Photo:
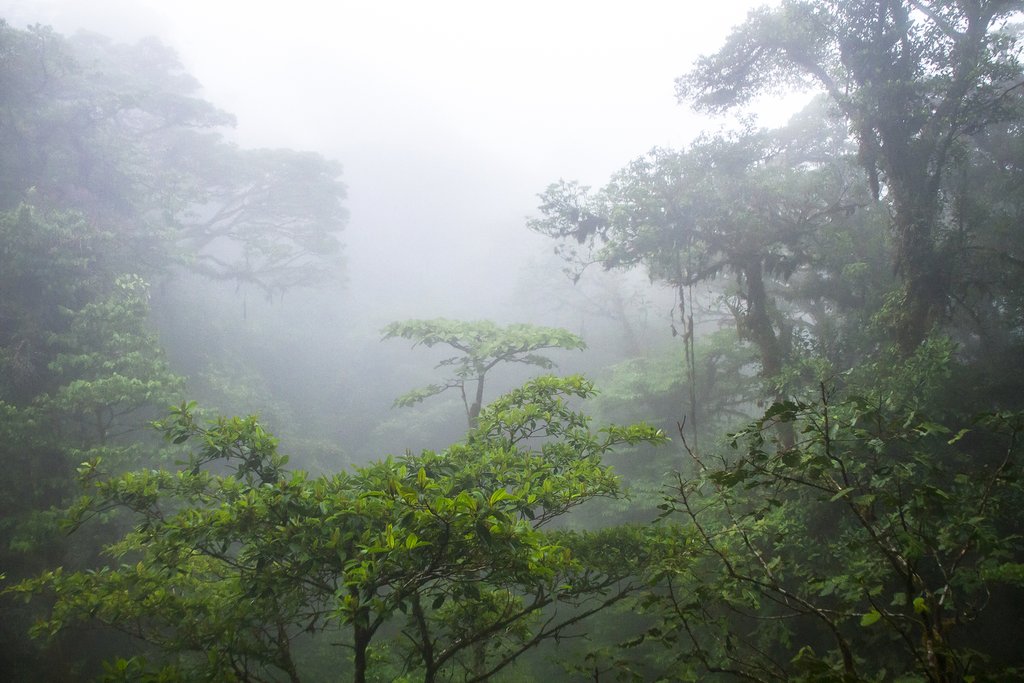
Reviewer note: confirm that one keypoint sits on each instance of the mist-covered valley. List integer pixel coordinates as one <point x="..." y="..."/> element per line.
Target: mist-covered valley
<point x="456" y="342"/>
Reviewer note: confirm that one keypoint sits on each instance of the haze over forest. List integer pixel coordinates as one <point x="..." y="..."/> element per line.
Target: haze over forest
<point x="447" y="120"/>
<point x="657" y="342"/>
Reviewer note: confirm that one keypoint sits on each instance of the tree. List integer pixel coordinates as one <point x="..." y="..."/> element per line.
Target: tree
<point x="268" y="218"/>
<point x="80" y="377"/>
<point x="481" y="346"/>
<point x="912" y="78"/>
<point x="449" y="547"/>
<point x="82" y="372"/>
<point x="984" y="190"/>
<point x="52" y="262"/>
<point x="752" y="206"/>
<point x="119" y="133"/>
<point x="879" y="545"/>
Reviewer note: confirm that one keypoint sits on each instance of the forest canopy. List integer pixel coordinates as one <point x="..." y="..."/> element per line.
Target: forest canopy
<point x="787" y="446"/>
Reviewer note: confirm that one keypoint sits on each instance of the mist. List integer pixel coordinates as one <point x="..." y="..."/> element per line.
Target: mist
<point x="546" y="341"/>
<point x="448" y="119"/>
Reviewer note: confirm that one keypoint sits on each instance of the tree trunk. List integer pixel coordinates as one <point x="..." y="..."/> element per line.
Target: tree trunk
<point x="284" y="648"/>
<point x="925" y="277"/>
<point x="478" y="402"/>
<point x="426" y="645"/>
<point x="361" y="635"/>
<point x="756" y="325"/>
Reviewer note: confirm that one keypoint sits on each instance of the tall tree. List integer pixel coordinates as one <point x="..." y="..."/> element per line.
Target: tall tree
<point x="912" y="78"/>
<point x="121" y="134"/>
<point x="749" y="206"/>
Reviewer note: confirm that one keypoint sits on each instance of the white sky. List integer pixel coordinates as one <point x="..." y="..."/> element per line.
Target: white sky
<point x="449" y="117"/>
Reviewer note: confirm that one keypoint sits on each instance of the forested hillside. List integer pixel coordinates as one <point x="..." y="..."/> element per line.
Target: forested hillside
<point x="759" y="418"/>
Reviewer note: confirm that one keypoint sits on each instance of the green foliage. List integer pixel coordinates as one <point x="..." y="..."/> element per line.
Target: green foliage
<point x="80" y="374"/>
<point x="448" y="546"/>
<point x="480" y="346"/>
<point x="110" y="363"/>
<point x="83" y="366"/>
<point x="914" y="81"/>
<point x="655" y="387"/>
<point x="51" y="263"/>
<point x="752" y="206"/>
<point x="870" y="548"/>
<point x="119" y="133"/>
<point x="865" y="527"/>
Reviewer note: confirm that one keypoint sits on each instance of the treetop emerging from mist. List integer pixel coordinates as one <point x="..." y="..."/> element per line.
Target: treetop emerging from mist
<point x="481" y="345"/>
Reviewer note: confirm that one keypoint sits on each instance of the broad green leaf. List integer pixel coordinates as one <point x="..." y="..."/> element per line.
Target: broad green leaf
<point x="870" y="618"/>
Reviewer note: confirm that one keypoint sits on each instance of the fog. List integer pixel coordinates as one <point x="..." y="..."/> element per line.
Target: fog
<point x="278" y="283"/>
<point x="448" y="120"/>
<point x="448" y="117"/>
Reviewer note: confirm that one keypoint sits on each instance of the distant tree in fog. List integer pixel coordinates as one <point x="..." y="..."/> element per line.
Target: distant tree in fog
<point x="480" y="347"/>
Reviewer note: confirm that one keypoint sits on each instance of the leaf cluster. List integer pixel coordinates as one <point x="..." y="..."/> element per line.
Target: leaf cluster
<point x="239" y="564"/>
<point x="870" y="547"/>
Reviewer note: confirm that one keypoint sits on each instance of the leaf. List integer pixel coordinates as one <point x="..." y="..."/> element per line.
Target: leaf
<point x="959" y="435"/>
<point x="870" y="618"/>
<point x="842" y="494"/>
<point x="865" y="500"/>
<point x="783" y="411"/>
